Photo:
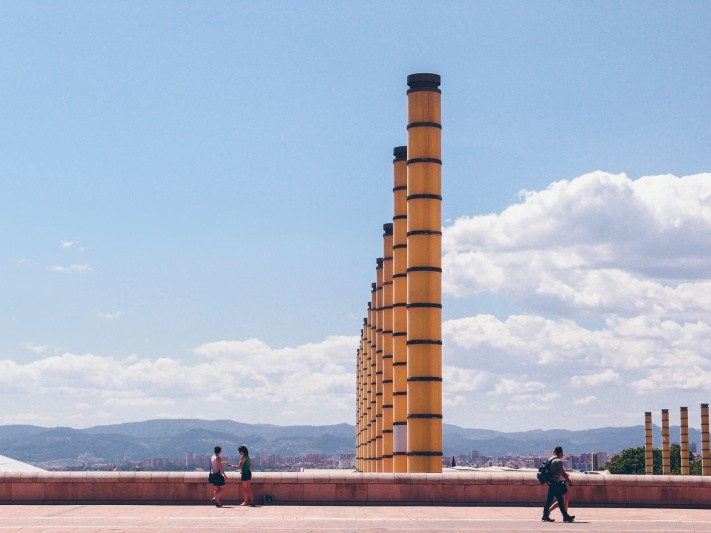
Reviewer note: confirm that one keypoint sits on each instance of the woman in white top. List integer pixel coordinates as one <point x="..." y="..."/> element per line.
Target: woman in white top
<point x="217" y="474"/>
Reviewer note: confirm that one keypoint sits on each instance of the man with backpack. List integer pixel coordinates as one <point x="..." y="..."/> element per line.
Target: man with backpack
<point x="557" y="486"/>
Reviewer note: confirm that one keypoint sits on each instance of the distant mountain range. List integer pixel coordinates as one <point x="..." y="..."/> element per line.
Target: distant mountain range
<point x="169" y="438"/>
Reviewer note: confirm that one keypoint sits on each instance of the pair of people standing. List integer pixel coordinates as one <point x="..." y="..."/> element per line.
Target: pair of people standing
<point x="557" y="488"/>
<point x="219" y="478"/>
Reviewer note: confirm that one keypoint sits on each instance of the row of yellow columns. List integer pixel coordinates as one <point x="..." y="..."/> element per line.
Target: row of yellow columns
<point x="684" y="434"/>
<point x="399" y="362"/>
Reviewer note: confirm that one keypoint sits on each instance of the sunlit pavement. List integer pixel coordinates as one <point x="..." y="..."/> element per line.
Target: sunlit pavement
<point x="276" y="518"/>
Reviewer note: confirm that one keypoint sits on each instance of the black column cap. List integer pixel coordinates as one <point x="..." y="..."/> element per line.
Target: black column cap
<point x="424" y="81"/>
<point x="400" y="153"/>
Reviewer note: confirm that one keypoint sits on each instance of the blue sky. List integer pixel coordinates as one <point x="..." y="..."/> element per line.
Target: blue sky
<point x="192" y="198"/>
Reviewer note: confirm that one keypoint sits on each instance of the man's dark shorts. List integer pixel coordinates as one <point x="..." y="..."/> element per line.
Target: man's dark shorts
<point x="559" y="486"/>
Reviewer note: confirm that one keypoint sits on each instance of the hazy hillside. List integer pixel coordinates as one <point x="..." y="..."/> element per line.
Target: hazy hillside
<point x="175" y="438"/>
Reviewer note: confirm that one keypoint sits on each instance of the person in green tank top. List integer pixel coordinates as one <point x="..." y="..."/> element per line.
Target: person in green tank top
<point x="245" y="466"/>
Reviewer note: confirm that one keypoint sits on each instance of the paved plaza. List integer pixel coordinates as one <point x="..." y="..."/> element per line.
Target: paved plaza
<point x="349" y="519"/>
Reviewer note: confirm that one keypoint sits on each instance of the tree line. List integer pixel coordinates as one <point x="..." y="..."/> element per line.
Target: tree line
<point x="632" y="461"/>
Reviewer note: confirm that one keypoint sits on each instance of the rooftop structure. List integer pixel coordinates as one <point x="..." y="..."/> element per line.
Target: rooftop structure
<point x="11" y="465"/>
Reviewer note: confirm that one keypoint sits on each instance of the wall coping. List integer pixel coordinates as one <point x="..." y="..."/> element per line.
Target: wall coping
<point x="340" y="476"/>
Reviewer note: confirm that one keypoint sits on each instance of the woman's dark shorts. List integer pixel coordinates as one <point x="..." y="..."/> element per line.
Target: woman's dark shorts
<point x="246" y="476"/>
<point x="218" y="479"/>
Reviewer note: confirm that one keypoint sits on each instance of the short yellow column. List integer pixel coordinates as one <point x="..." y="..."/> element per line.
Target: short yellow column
<point x="684" y="434"/>
<point x="387" y="461"/>
<point x="666" y="464"/>
<point x="400" y="309"/>
<point x="705" y="445"/>
<point x="424" y="275"/>
<point x="359" y="405"/>
<point x="363" y="419"/>
<point x="648" y="450"/>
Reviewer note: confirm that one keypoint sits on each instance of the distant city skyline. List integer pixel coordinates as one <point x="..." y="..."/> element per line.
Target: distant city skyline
<point x="192" y="200"/>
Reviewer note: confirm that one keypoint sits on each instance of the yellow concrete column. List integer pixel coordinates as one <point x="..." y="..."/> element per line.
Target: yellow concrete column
<point x="387" y="347"/>
<point x="359" y="403"/>
<point x="379" y="366"/>
<point x="400" y="309"/>
<point x="371" y="383"/>
<point x="363" y="418"/>
<point x="424" y="274"/>
<point x="648" y="451"/>
<point x="666" y="464"/>
<point x="705" y="447"/>
<point x="684" y="434"/>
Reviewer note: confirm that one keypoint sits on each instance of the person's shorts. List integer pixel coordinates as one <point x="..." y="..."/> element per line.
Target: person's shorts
<point x="218" y="480"/>
<point x="560" y="487"/>
<point x="246" y="476"/>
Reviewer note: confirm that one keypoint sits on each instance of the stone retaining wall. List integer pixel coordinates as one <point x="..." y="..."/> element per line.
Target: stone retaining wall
<point x="334" y="487"/>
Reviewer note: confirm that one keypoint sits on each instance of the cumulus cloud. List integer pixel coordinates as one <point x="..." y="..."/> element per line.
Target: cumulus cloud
<point x="585" y="401"/>
<point x="314" y="376"/>
<point x="67" y="244"/>
<point x="625" y="343"/>
<point x="594" y="380"/>
<point x="70" y="268"/>
<point x="610" y="280"/>
<point x="35" y="348"/>
<point x="514" y="386"/>
<point x="600" y="244"/>
<point x="455" y="379"/>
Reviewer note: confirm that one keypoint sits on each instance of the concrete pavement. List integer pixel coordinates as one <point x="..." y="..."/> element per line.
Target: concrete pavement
<point x="348" y="519"/>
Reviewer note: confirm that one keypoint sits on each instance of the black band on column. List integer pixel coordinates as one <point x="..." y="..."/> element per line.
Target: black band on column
<point x="424" y="124"/>
<point x="425" y="454"/>
<point x="424" y="160"/>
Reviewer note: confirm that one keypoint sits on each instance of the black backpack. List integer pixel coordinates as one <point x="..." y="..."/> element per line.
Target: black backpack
<point x="544" y="472"/>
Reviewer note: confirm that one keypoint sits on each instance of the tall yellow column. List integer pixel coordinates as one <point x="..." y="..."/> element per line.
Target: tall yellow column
<point x="424" y="274"/>
<point x="666" y="465"/>
<point x="705" y="447"/>
<point x="387" y="348"/>
<point x="684" y="434"/>
<point x="400" y="309"/>
<point x="371" y="381"/>
<point x="648" y="450"/>
<point x="379" y="367"/>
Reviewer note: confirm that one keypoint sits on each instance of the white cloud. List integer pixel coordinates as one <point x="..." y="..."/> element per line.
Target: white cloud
<point x="70" y="268"/>
<point x="625" y="343"/>
<point x="67" y="244"/>
<point x="585" y="401"/>
<point x="681" y="378"/>
<point x="110" y="316"/>
<point x="35" y="348"/>
<point x="601" y="244"/>
<point x="594" y="380"/>
<point x="456" y="379"/>
<point x="312" y="376"/>
<point x="514" y="386"/>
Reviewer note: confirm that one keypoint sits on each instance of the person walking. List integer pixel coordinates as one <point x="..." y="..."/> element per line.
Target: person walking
<point x="557" y="487"/>
<point x="245" y="466"/>
<point x="217" y="474"/>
